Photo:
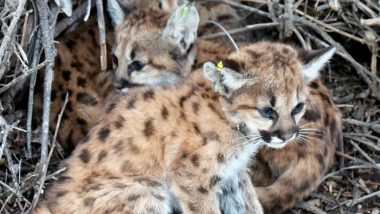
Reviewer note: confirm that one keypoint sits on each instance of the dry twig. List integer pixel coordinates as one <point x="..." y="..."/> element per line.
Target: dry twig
<point x="7" y="37"/>
<point x="102" y="35"/>
<point x="47" y="21"/>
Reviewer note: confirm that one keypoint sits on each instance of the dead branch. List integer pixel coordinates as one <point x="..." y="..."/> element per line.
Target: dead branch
<point x="362" y="152"/>
<point x="23" y="76"/>
<point x="311" y="208"/>
<point x="102" y="35"/>
<point x="11" y="29"/>
<point x="288" y="18"/>
<point x="361" y="123"/>
<point x="32" y="84"/>
<point x="47" y="22"/>
<point x="78" y="13"/>
<point x="370" y="22"/>
<point x="361" y="199"/>
<point x="367" y="166"/>
<point x="240" y="30"/>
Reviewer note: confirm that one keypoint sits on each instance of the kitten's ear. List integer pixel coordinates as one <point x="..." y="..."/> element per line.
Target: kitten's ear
<point x="182" y="26"/>
<point x="224" y="80"/>
<point x="116" y="11"/>
<point x="314" y="61"/>
<point x="66" y="6"/>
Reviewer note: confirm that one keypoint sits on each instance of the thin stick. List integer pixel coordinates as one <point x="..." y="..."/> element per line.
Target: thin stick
<point x="288" y="18"/>
<point x="341" y="154"/>
<point x="102" y="35"/>
<point x="300" y="38"/>
<point x="369" y="144"/>
<point x="78" y="13"/>
<point x="58" y="125"/>
<point x="361" y="199"/>
<point x="23" y="38"/>
<point x="225" y="32"/>
<point x="48" y="47"/>
<point x="365" y="9"/>
<point x="348" y="35"/>
<point x="311" y="18"/>
<point x="23" y="76"/>
<point x="51" y="150"/>
<point x="239" y="30"/>
<point x="32" y="84"/>
<point x="244" y="7"/>
<point x="11" y="168"/>
<point x="89" y="6"/>
<point x="370" y="22"/>
<point x="8" y="187"/>
<point x="361" y="123"/>
<point x="362" y="152"/>
<point x="4" y="132"/>
<point x="46" y="22"/>
<point x="271" y="10"/>
<point x="375" y="50"/>
<point x="12" y="27"/>
<point x="372" y="166"/>
<point x="311" y="208"/>
<point x="51" y="176"/>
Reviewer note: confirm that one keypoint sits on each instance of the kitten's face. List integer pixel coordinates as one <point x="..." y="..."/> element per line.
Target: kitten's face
<point x="153" y="47"/>
<point x="265" y="90"/>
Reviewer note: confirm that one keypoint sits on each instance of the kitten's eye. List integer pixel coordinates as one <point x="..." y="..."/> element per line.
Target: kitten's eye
<point x="133" y="54"/>
<point x="267" y="112"/>
<point x="136" y="65"/>
<point x="299" y="107"/>
<point x="115" y="62"/>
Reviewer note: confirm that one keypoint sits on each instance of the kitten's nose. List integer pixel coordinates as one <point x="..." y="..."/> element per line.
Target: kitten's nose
<point x="288" y="134"/>
<point x="118" y="83"/>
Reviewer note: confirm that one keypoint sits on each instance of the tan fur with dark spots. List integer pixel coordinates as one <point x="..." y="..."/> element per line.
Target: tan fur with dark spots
<point x="78" y="56"/>
<point x="77" y="72"/>
<point x="224" y="14"/>
<point x="284" y="177"/>
<point x="298" y="169"/>
<point x="132" y="167"/>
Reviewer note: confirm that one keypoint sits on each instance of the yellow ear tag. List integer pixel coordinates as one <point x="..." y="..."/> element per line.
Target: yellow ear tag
<point x="219" y="66"/>
<point x="185" y="11"/>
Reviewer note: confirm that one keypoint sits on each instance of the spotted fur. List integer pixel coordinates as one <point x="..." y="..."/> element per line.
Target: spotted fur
<point x="189" y="132"/>
<point x="174" y="157"/>
<point x="77" y="68"/>
<point x="275" y="170"/>
<point x="300" y="141"/>
<point x="297" y="170"/>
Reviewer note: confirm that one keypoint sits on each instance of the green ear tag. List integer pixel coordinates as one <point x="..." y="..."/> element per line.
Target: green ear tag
<point x="185" y="11"/>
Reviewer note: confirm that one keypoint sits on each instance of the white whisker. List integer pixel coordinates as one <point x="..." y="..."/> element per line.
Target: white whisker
<point x="302" y="139"/>
<point x="318" y="132"/>
<point x="251" y="140"/>
<point x="247" y="136"/>
<point x="307" y="124"/>
<point x="244" y="144"/>
<point x="311" y="129"/>
<point x="313" y="134"/>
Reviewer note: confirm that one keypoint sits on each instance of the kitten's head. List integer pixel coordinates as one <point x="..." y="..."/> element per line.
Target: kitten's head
<point x="264" y="88"/>
<point x="153" y="47"/>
